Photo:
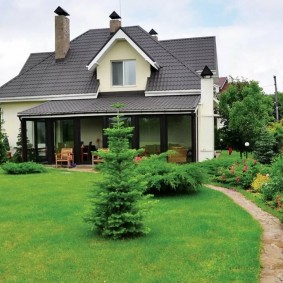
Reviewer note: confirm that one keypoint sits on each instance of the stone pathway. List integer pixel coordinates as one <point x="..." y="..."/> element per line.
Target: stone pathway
<point x="272" y="246"/>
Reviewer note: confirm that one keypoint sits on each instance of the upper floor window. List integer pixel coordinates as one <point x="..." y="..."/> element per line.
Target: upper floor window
<point x="124" y="73"/>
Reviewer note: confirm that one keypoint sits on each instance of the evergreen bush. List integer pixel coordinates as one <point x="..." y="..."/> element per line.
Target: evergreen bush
<point x="275" y="185"/>
<point x="118" y="201"/>
<point x="264" y="147"/>
<point x="23" y="168"/>
<point x="4" y="145"/>
<point x="167" y="178"/>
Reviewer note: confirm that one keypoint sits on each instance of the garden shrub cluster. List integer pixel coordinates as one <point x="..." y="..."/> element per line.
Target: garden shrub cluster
<point x="273" y="189"/>
<point x="249" y="174"/>
<point x="23" y="168"/>
<point x="169" y="178"/>
<point x="241" y="173"/>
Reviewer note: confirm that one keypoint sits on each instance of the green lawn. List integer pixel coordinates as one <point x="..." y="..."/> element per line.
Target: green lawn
<point x="202" y="237"/>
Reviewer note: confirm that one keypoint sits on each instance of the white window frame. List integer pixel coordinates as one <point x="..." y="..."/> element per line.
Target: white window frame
<point x="123" y="78"/>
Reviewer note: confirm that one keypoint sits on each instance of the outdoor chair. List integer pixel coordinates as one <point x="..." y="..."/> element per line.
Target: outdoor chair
<point x="180" y="155"/>
<point x="85" y="154"/>
<point x="66" y="155"/>
<point x="95" y="159"/>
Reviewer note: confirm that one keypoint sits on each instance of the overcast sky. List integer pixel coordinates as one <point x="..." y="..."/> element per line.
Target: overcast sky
<point x="248" y="32"/>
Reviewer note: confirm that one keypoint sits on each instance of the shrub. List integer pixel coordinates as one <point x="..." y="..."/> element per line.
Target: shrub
<point x="23" y="168"/>
<point x="167" y="178"/>
<point x="270" y="189"/>
<point x="239" y="173"/>
<point x="275" y="185"/>
<point x="264" y="147"/>
<point x="259" y="181"/>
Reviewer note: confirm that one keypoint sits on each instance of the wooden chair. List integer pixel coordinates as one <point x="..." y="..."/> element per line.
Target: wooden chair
<point x="95" y="159"/>
<point x="180" y="155"/>
<point x="66" y="155"/>
<point x="86" y="152"/>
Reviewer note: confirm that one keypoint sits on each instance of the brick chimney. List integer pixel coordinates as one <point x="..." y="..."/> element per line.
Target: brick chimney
<point x="115" y="22"/>
<point x="62" y="34"/>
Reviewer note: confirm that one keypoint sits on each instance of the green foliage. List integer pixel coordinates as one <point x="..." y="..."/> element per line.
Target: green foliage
<point x="118" y="201"/>
<point x="4" y="144"/>
<point x="244" y="110"/>
<point x="212" y="166"/>
<point x="167" y="178"/>
<point x="23" y="168"/>
<point x="263" y="150"/>
<point x="239" y="173"/>
<point x="233" y="171"/>
<point x="18" y="155"/>
<point x="276" y="129"/>
<point x="275" y="185"/>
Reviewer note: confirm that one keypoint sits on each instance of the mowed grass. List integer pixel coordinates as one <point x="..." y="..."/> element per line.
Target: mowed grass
<point x="201" y="237"/>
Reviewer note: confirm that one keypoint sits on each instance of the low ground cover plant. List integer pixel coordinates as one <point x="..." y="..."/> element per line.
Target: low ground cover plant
<point x="23" y="168"/>
<point x="163" y="177"/>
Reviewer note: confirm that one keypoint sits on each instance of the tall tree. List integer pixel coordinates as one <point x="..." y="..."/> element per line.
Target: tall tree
<point x="244" y="110"/>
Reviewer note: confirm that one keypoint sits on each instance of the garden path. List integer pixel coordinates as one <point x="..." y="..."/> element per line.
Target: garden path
<point x="272" y="247"/>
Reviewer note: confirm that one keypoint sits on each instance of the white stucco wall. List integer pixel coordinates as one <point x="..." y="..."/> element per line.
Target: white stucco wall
<point x="11" y="121"/>
<point x="206" y="121"/>
<point x="122" y="50"/>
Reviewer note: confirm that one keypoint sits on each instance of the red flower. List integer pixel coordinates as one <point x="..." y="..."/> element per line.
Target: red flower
<point x="245" y="168"/>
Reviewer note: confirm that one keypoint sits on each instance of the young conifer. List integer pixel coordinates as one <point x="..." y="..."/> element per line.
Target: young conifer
<point x="118" y="201"/>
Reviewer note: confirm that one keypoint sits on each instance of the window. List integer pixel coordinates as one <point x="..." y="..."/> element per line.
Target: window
<point x="124" y="73"/>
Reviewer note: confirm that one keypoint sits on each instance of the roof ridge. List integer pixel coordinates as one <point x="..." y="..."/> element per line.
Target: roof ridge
<point x="188" y="38"/>
<point x="77" y="37"/>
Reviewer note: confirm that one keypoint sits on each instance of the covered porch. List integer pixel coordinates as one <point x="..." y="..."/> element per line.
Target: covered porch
<point x="160" y="123"/>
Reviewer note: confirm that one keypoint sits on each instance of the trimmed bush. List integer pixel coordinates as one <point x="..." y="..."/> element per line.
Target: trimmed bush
<point x="23" y="168"/>
<point x="167" y="178"/>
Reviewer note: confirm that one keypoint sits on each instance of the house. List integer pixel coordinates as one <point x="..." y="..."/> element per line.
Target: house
<point x="64" y="98"/>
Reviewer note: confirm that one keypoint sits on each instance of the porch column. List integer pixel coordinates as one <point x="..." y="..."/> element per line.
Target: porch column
<point x="206" y="119"/>
<point x="24" y="139"/>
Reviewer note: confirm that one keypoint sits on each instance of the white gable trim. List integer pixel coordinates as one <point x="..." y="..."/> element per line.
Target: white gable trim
<point x="119" y="35"/>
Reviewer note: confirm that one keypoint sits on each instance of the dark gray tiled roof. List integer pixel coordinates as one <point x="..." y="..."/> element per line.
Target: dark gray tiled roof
<point x="135" y="102"/>
<point x="196" y="52"/>
<point x="42" y="76"/>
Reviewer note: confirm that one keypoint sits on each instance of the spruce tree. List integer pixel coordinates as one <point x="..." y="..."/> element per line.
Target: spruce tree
<point x="3" y="143"/>
<point x="18" y="155"/>
<point x="118" y="201"/>
<point x="264" y="147"/>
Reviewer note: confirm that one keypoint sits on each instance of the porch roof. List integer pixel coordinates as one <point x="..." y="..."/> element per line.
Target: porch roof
<point x="136" y="103"/>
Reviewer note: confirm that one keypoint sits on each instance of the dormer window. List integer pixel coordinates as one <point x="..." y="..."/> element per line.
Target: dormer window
<point x="124" y="73"/>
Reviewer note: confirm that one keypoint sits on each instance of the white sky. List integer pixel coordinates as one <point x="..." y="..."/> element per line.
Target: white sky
<point x="248" y="32"/>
